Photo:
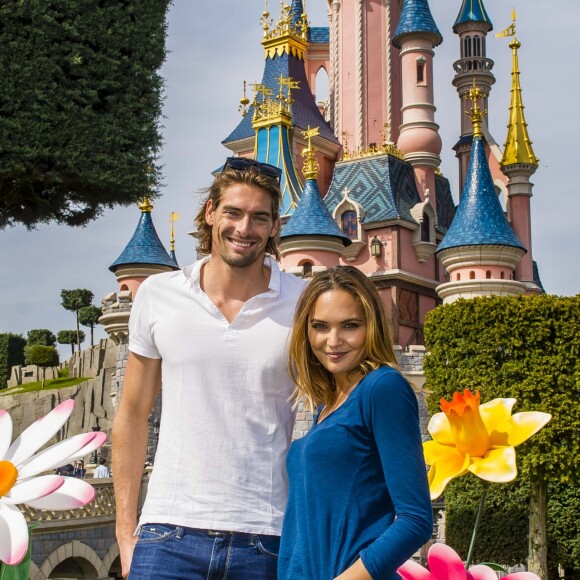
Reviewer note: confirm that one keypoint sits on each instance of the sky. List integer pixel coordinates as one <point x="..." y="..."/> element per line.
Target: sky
<point x="212" y="51"/>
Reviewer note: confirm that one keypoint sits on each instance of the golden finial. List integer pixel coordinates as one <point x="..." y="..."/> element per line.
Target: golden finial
<point x="145" y="206"/>
<point x="511" y="29"/>
<point x="518" y="147"/>
<point x="476" y="114"/>
<point x="244" y="102"/>
<point x="311" y="166"/>
<point x="173" y="217"/>
<point x="290" y="85"/>
<point x="265" y="20"/>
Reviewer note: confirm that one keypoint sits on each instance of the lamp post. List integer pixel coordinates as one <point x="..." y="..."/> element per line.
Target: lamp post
<point x="95" y="455"/>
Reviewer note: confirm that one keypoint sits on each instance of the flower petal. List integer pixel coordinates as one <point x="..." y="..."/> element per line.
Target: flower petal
<point x="74" y="493"/>
<point x="497" y="466"/>
<point x="481" y="572"/>
<point x="445" y="564"/>
<point x="435" y="452"/>
<point x="55" y="455"/>
<point x="495" y="412"/>
<point x="99" y="439"/>
<point x="5" y="432"/>
<point x="440" y="429"/>
<point x="412" y="571"/>
<point x="442" y="472"/>
<point x="35" y="436"/>
<point x="13" y="535"/>
<point x="33" y="489"/>
<point x="518" y="428"/>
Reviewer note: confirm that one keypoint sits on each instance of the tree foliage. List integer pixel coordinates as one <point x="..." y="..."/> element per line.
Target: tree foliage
<point x="43" y="357"/>
<point x="89" y="317"/>
<point x="74" y="300"/>
<point x="11" y="354"/>
<point x="69" y="337"/>
<point x="41" y="336"/>
<point x="80" y="103"/>
<point x="526" y="348"/>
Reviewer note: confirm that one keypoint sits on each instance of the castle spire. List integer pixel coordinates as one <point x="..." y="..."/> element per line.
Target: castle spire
<point x="518" y="164"/>
<point x="480" y="251"/>
<point x="518" y="147"/>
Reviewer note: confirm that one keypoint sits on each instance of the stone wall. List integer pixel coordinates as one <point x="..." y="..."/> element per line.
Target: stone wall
<point x="86" y="363"/>
<point x="93" y="404"/>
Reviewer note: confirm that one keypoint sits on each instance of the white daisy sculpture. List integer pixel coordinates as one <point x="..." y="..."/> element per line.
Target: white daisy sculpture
<point x="20" y="482"/>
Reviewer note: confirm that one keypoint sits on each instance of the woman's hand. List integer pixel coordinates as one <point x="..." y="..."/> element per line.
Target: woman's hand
<point x="356" y="572"/>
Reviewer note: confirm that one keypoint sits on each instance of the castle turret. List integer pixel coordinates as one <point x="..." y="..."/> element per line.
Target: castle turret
<point x="142" y="257"/>
<point x="419" y="139"/>
<point x="472" y="25"/>
<point x="519" y="163"/>
<point x="480" y="250"/>
<point x="311" y="240"/>
<point x="282" y="102"/>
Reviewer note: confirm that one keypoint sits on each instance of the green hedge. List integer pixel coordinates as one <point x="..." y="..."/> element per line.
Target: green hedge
<point x="527" y="348"/>
<point x="11" y="354"/>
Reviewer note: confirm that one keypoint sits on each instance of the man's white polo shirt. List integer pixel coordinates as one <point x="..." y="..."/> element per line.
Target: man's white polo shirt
<point x="226" y="423"/>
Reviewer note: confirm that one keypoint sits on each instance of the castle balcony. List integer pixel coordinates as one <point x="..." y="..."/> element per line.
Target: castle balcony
<point x="471" y="65"/>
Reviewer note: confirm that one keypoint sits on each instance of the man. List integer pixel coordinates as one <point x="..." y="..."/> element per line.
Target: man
<point x="101" y="470"/>
<point x="213" y="338"/>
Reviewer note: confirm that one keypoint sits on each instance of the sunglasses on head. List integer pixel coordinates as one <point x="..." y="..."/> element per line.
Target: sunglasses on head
<point x="243" y="164"/>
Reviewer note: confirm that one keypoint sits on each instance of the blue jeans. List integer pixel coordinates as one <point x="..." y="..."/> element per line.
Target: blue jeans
<point x="179" y="553"/>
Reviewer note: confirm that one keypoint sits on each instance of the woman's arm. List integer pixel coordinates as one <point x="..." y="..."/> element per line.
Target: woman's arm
<point x="356" y="572"/>
<point x="393" y="418"/>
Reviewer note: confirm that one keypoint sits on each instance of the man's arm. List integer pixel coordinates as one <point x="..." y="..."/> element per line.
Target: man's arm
<point x="130" y="430"/>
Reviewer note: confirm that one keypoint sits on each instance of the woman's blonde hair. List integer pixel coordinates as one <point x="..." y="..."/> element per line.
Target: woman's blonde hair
<point x="314" y="383"/>
<point x="214" y="192"/>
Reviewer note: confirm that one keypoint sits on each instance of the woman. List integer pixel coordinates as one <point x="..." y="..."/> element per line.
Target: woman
<point x="359" y="502"/>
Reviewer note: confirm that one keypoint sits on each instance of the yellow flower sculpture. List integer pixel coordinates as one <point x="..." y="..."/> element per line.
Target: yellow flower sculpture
<point x="468" y="436"/>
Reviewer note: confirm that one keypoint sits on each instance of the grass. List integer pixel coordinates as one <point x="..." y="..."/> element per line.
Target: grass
<point x="48" y="385"/>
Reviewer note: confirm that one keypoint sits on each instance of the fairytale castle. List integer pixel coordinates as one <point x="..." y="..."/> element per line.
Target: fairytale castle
<point x="360" y="176"/>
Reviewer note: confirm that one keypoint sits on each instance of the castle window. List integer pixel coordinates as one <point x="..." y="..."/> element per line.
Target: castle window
<point x="488" y="274"/>
<point x="420" y="72"/>
<point x="349" y="224"/>
<point x="467" y="47"/>
<point x="425" y="229"/>
<point x="458" y="276"/>
<point x="476" y="46"/>
<point x="307" y="269"/>
<point x="472" y="275"/>
<point x="502" y="275"/>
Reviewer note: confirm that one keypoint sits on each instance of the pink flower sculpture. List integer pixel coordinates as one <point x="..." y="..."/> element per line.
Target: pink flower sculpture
<point x="20" y="482"/>
<point x="445" y="564"/>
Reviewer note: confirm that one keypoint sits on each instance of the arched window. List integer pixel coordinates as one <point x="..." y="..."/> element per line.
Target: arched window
<point x="472" y="275"/>
<point x="502" y="275"/>
<point x="467" y="47"/>
<point x="458" y="276"/>
<point x="124" y="287"/>
<point x="420" y="71"/>
<point x="476" y="46"/>
<point x="426" y="229"/>
<point x="307" y="269"/>
<point x="349" y="224"/>
<point x="488" y="274"/>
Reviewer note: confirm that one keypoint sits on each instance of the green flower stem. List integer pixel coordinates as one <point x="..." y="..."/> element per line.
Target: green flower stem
<point x="477" y="520"/>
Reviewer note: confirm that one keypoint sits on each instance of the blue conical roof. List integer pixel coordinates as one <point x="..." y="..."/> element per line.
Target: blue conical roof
<point x="416" y="18"/>
<point x="144" y="247"/>
<point x="472" y="11"/>
<point x="480" y="219"/>
<point x="312" y="218"/>
<point x="296" y="10"/>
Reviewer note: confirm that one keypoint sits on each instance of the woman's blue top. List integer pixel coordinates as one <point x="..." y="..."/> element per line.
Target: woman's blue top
<point x="358" y="486"/>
